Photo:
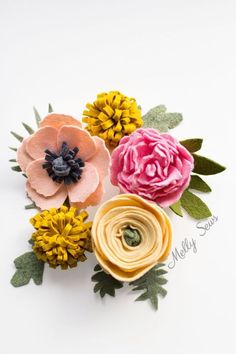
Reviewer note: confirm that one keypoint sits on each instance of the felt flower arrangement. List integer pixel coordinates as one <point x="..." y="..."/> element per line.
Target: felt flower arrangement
<point x="65" y="165"/>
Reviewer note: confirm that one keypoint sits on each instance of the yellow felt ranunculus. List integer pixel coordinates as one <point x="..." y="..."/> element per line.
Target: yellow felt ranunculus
<point x="130" y="236"/>
<point x="111" y="116"/>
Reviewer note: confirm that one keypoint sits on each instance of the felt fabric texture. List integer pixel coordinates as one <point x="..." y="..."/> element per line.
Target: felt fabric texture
<point x="122" y="261"/>
<point x="28" y="266"/>
<point x="111" y="116"/>
<point x="158" y="118"/>
<point x="152" y="165"/>
<point x="92" y="150"/>
<point x="62" y="236"/>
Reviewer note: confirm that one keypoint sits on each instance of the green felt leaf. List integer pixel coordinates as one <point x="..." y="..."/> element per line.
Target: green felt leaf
<point x="194" y="206"/>
<point x="198" y="184"/>
<point x="28" y="267"/>
<point x="12" y="148"/>
<point x="176" y="208"/>
<point x="151" y="284"/>
<point x="28" y="128"/>
<point x="16" y="168"/>
<point x="50" y="109"/>
<point x="31" y="206"/>
<point x="12" y="160"/>
<point x="205" y="166"/>
<point x="105" y="283"/>
<point x="37" y="116"/>
<point x="192" y="145"/>
<point x="17" y="136"/>
<point x="159" y="119"/>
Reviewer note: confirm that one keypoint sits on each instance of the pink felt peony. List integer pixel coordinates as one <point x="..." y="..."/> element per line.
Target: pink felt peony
<point x="152" y="165"/>
<point x="62" y="160"/>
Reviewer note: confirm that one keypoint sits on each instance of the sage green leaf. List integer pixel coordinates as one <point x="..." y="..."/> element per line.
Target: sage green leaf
<point x="176" y="208"/>
<point x="194" y="206"/>
<point x="28" y="128"/>
<point x="17" y="136"/>
<point x="28" y="267"/>
<point x="192" y="145"/>
<point x="12" y="148"/>
<point x="16" y="168"/>
<point x="97" y="267"/>
<point x="106" y="284"/>
<point x="198" y="184"/>
<point x="151" y="285"/>
<point x="159" y="119"/>
<point x="31" y="206"/>
<point x="37" y="116"/>
<point x="205" y="166"/>
<point x="12" y="160"/>
<point x="50" y="109"/>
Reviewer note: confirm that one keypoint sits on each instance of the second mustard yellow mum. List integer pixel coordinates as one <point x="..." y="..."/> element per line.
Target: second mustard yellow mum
<point x="112" y="116"/>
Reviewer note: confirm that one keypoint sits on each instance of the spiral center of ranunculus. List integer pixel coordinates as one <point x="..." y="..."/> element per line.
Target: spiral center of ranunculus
<point x="132" y="236"/>
<point x="64" y="166"/>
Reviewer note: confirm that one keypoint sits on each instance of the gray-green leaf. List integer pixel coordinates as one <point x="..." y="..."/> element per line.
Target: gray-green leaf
<point x="198" y="184"/>
<point x="31" y="206"/>
<point x="192" y="145"/>
<point x="12" y="148"/>
<point x="194" y="206"/>
<point x="105" y="283"/>
<point x="17" y="136"/>
<point x="159" y="119"/>
<point x="28" y="128"/>
<point x="205" y="166"/>
<point x="28" y="267"/>
<point x="50" y="109"/>
<point x="176" y="208"/>
<point x="37" y="116"/>
<point x="151" y="284"/>
<point x="16" y="168"/>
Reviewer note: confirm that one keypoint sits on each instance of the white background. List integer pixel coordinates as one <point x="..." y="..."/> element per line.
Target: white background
<point x="178" y="53"/>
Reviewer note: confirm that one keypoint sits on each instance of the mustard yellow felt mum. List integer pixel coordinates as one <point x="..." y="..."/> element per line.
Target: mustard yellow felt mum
<point x="62" y="237"/>
<point x="112" y="116"/>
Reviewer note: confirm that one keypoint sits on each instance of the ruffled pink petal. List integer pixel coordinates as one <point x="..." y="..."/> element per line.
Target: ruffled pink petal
<point x="101" y="159"/>
<point x="80" y="191"/>
<point x="44" y="138"/>
<point x="94" y="199"/>
<point x="58" y="120"/>
<point x="42" y="202"/>
<point x="75" y="136"/>
<point x="39" y="179"/>
<point x="22" y="157"/>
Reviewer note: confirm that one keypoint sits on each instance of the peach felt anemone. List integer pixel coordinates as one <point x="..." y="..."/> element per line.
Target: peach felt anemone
<point x="83" y="187"/>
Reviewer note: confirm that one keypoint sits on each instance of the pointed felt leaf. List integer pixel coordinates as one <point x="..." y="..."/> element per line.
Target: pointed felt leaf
<point x="31" y="206"/>
<point x="106" y="284"/>
<point x="198" y="184"/>
<point x="28" y="267"/>
<point x="12" y="160"/>
<point x="50" y="109"/>
<point x="159" y="119"/>
<point x="17" y="136"/>
<point x="205" y="166"/>
<point x="194" y="206"/>
<point x="37" y="116"/>
<point x="12" y="148"/>
<point x="192" y="145"/>
<point x="16" y="168"/>
<point x="28" y="128"/>
<point x="176" y="208"/>
<point x="151" y="284"/>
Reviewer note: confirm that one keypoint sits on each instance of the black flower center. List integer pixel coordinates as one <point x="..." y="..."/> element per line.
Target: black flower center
<point x="64" y="167"/>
